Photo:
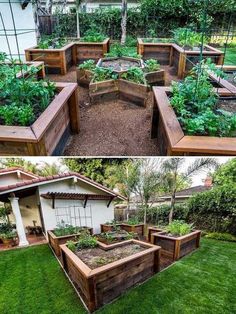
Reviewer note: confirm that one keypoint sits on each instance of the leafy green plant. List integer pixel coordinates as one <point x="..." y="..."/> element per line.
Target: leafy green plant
<point x="187" y="37"/>
<point x="66" y="229"/>
<point x="8" y="235"/>
<point x="195" y="103"/>
<point x="179" y="228"/>
<point x="151" y="65"/>
<point x="92" y="35"/>
<point x="51" y="43"/>
<point x="133" y="221"/>
<point x="117" y="50"/>
<point x="22" y="100"/>
<point x="221" y="236"/>
<point x="86" y="241"/>
<point x="134" y="74"/>
<point x="71" y="245"/>
<point x="88" y="65"/>
<point x="103" y="74"/>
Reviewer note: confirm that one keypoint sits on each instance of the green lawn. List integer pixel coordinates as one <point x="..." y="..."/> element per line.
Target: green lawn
<point x="230" y="58"/>
<point x="204" y="282"/>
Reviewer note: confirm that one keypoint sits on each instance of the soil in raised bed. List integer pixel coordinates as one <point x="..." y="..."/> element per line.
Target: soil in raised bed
<point x="119" y="64"/>
<point x="227" y="105"/>
<point x="231" y="78"/>
<point x="97" y="257"/>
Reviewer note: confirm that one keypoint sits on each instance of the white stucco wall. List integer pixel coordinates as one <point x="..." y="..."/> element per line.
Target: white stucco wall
<point x="100" y="212"/>
<point x="12" y="178"/>
<point x="24" y="20"/>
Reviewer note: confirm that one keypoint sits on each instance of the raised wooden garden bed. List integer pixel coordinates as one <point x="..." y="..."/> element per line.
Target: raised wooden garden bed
<point x="183" y="60"/>
<point x="152" y="230"/>
<point x="56" y="60"/>
<point x="224" y="83"/>
<point x="56" y="241"/>
<point x="170" y="137"/>
<point x="159" y="51"/>
<point x="176" y="247"/>
<point x="39" y="65"/>
<point x="139" y="228"/>
<point x="133" y="92"/>
<point x="107" y="228"/>
<point x="90" y="50"/>
<point x="49" y="133"/>
<point x="156" y="78"/>
<point x="103" y="91"/>
<point x="101" y="285"/>
<point x="84" y="77"/>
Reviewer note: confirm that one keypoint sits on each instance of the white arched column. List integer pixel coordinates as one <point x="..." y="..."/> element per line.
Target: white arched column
<point x="19" y="223"/>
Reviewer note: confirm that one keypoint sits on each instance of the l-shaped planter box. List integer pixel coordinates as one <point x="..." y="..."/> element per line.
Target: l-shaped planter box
<point x="107" y="228"/>
<point x="171" y="139"/>
<point x="139" y="228"/>
<point x="48" y="135"/>
<point x="55" y="241"/>
<point x="152" y="230"/>
<point x="181" y="59"/>
<point x="103" y="284"/>
<point x="57" y="60"/>
<point x="176" y="247"/>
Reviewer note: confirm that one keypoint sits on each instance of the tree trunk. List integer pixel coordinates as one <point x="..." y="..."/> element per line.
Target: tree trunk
<point x="145" y="213"/>
<point x="172" y="207"/>
<point x="123" y="21"/>
<point x="128" y="208"/>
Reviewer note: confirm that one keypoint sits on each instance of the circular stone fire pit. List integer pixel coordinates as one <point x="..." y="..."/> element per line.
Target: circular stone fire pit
<point x="120" y="64"/>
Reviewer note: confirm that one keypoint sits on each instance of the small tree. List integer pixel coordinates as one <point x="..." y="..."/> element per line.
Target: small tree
<point x="173" y="169"/>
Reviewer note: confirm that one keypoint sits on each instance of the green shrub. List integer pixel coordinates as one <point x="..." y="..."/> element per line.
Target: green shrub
<point x="117" y="50"/>
<point x="179" y="228"/>
<point x="187" y="37"/>
<point x="71" y="245"/>
<point x="221" y="236"/>
<point x="214" y="210"/>
<point x="92" y="35"/>
<point x="132" y="221"/>
<point x="86" y="241"/>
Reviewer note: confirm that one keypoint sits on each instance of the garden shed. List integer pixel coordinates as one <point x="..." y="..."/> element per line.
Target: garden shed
<point x="47" y="201"/>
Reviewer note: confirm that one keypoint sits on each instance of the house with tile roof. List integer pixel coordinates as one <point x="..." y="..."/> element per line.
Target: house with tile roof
<point x="47" y="201"/>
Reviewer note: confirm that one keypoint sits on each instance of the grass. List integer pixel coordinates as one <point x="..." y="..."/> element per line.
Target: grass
<point x="230" y="57"/>
<point x="203" y="282"/>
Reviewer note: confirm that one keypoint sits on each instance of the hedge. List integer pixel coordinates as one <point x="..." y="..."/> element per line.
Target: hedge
<point x="214" y="210"/>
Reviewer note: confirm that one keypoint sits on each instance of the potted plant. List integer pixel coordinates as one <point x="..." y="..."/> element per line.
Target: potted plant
<point x="102" y="274"/>
<point x="85" y="72"/>
<point x="193" y="118"/>
<point x="177" y="240"/>
<point x="63" y="233"/>
<point x="29" y="111"/>
<point x="153" y="73"/>
<point x="9" y="238"/>
<point x="93" y="45"/>
<point x="56" y="53"/>
<point x="133" y="225"/>
<point x="133" y="86"/>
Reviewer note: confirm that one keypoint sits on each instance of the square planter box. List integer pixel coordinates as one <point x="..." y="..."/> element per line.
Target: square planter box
<point x="56" y="241"/>
<point x="152" y="230"/>
<point x="101" y="285"/>
<point x="176" y="247"/>
<point x="171" y="139"/>
<point x="139" y="229"/>
<point x="55" y="60"/>
<point x="84" y="77"/>
<point x="107" y="228"/>
<point x="159" y="51"/>
<point x="133" y="92"/>
<point x="224" y="83"/>
<point x="184" y="60"/>
<point x="156" y="78"/>
<point x="48" y="135"/>
<point x="103" y="91"/>
<point x="90" y="50"/>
